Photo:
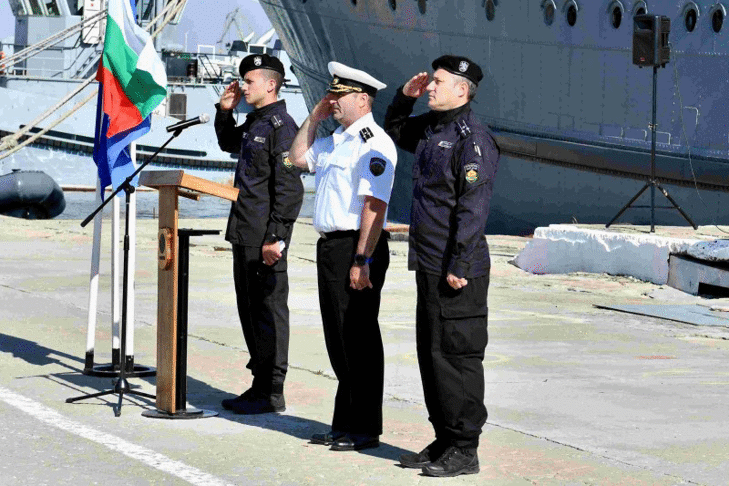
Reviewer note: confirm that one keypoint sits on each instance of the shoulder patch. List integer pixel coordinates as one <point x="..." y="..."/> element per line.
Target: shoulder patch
<point x="377" y="166"/>
<point x="276" y="121"/>
<point x="471" y="171"/>
<point x="366" y="134"/>
<point x="286" y="161"/>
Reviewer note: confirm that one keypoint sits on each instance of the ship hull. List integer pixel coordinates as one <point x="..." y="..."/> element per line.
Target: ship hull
<point x="569" y="109"/>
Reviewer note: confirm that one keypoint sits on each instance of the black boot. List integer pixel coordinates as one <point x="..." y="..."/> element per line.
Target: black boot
<point x="417" y="460"/>
<point x="454" y="462"/>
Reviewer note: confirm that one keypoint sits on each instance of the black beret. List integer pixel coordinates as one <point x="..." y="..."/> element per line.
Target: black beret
<point x="461" y="66"/>
<point x="260" y="61"/>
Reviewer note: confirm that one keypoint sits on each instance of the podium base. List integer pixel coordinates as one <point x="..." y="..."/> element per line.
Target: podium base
<point x="112" y="371"/>
<point x="187" y="414"/>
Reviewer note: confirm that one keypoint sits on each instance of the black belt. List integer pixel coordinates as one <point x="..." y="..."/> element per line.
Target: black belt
<point x="331" y="235"/>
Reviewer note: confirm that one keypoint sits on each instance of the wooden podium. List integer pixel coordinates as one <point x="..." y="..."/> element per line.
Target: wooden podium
<point x="171" y="184"/>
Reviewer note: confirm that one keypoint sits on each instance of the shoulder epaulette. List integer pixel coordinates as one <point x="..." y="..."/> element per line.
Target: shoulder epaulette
<point x="366" y="134"/>
<point x="276" y="121"/>
<point x="463" y="128"/>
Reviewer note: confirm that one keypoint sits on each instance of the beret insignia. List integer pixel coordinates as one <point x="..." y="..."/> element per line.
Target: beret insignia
<point x="463" y="66"/>
<point x="257" y="61"/>
<point x="377" y="166"/>
<point x="471" y="173"/>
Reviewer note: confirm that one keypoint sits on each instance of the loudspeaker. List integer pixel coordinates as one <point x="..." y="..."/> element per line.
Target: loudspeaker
<point x="650" y="40"/>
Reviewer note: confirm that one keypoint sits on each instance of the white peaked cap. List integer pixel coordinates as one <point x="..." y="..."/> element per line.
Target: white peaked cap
<point x="346" y="73"/>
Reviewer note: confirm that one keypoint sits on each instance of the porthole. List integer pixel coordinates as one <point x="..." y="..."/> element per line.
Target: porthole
<point x="718" y="15"/>
<point x="717" y="20"/>
<point x="422" y="6"/>
<point x="689" y="20"/>
<point x="640" y="8"/>
<point x="393" y="4"/>
<point x="490" y="10"/>
<point x="617" y="17"/>
<point x="572" y="15"/>
<point x="615" y="13"/>
<point x="549" y="9"/>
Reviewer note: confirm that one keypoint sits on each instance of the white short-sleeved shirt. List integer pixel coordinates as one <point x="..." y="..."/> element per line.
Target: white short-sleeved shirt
<point x="349" y="165"/>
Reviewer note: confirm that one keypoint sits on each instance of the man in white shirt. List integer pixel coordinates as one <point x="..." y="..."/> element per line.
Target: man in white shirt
<point x="355" y="170"/>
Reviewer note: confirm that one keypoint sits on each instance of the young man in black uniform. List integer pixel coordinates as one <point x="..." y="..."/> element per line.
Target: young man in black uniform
<point x="260" y="224"/>
<point x="455" y="163"/>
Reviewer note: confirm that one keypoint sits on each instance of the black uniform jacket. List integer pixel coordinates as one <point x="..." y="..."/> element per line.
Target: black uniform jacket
<point x="271" y="191"/>
<point x="456" y="158"/>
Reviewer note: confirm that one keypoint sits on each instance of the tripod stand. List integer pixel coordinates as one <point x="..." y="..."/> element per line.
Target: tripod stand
<point x="121" y="386"/>
<point x="653" y="183"/>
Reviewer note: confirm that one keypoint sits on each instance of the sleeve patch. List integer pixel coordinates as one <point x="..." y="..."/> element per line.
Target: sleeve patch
<point x="471" y="171"/>
<point x="377" y="166"/>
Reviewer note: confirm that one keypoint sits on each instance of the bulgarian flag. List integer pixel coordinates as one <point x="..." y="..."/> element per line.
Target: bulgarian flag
<point x="132" y="82"/>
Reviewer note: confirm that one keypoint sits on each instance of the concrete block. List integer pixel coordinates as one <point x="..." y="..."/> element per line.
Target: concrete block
<point x="568" y="248"/>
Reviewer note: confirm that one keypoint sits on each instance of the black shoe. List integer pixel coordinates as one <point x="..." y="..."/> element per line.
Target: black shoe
<point x="431" y="453"/>
<point x="453" y="462"/>
<point x="259" y="403"/>
<point x="228" y="403"/>
<point x="355" y="442"/>
<point x="326" y="439"/>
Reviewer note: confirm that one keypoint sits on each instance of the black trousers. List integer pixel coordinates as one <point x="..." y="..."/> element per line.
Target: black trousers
<point x="451" y="337"/>
<point x="352" y="332"/>
<point x="262" y="297"/>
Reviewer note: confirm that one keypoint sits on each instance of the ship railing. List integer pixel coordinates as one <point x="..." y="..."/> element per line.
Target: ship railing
<point x="10" y="143"/>
<point x="32" y="51"/>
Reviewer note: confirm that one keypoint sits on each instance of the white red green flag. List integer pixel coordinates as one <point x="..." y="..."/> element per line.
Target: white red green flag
<point x="132" y="83"/>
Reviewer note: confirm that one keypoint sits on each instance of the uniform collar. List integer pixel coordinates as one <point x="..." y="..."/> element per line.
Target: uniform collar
<point x="266" y="110"/>
<point x="362" y="122"/>
<point x="441" y="118"/>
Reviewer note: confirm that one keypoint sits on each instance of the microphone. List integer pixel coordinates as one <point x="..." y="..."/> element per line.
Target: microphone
<point x="204" y="118"/>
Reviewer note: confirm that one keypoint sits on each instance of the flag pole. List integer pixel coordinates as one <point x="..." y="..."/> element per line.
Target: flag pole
<point x="93" y="286"/>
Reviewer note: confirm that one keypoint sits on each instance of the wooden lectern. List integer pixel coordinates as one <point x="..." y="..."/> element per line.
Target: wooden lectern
<point x="172" y="184"/>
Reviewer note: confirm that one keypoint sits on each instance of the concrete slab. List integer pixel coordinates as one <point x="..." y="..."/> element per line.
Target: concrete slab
<point x="576" y="394"/>
<point x="567" y="248"/>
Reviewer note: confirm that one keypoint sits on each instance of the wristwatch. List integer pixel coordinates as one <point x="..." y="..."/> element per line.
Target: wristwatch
<point x="360" y="260"/>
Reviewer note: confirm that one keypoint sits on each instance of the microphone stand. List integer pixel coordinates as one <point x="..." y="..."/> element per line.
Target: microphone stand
<point x="121" y="386"/>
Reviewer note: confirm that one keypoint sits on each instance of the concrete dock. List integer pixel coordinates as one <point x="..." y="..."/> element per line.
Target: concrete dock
<point x="576" y="394"/>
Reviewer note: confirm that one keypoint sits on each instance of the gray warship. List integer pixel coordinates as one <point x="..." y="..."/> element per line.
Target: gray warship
<point x="55" y="56"/>
<point x="570" y="110"/>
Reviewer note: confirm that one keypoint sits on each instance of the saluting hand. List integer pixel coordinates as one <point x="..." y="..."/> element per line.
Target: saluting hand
<point x="323" y="109"/>
<point x="416" y="86"/>
<point x="231" y="96"/>
<point x="359" y="277"/>
<point x="456" y="282"/>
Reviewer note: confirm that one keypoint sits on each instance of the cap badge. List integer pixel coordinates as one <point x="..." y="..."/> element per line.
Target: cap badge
<point x="377" y="166"/>
<point x="257" y="60"/>
<point x="335" y="80"/>
<point x="463" y="66"/>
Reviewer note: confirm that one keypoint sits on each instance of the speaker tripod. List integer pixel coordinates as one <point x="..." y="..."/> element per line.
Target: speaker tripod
<point x="653" y="183"/>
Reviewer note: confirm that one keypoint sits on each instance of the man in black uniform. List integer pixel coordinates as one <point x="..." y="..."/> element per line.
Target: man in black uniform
<point x="260" y="224"/>
<point x="455" y="163"/>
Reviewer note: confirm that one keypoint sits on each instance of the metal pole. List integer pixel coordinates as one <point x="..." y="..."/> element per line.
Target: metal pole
<point x="653" y="152"/>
